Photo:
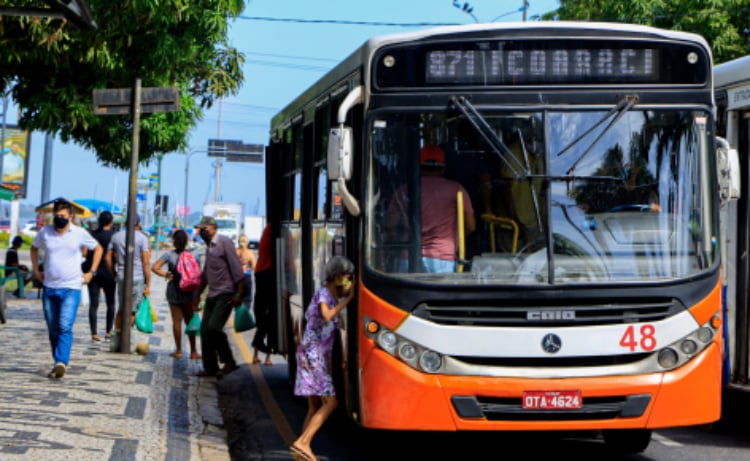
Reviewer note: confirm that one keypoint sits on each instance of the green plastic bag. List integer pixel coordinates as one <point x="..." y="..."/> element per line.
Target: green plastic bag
<point x="143" y="321"/>
<point x="193" y="327"/>
<point x="243" y="319"/>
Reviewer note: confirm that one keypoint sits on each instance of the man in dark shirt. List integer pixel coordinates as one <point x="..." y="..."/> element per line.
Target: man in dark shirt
<point x="103" y="278"/>
<point x="224" y="277"/>
<point x="11" y="260"/>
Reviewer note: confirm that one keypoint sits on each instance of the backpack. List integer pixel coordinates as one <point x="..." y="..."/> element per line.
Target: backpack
<point x="189" y="271"/>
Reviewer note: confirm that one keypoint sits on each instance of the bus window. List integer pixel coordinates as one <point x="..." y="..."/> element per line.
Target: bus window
<point x="594" y="202"/>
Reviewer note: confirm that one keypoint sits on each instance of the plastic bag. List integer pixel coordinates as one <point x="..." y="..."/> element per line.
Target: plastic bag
<point x="85" y="300"/>
<point x="154" y="317"/>
<point x="193" y="327"/>
<point x="143" y="321"/>
<point x="243" y="319"/>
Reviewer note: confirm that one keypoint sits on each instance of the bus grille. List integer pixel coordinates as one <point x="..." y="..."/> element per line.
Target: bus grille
<point x="535" y="314"/>
<point x="511" y="409"/>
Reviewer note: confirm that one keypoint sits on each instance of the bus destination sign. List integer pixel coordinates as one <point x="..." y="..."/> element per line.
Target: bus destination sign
<point x="540" y="62"/>
<point x="541" y="66"/>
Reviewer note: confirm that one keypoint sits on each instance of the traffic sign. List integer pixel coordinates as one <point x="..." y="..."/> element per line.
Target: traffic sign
<point x="235" y="151"/>
<point x="119" y="101"/>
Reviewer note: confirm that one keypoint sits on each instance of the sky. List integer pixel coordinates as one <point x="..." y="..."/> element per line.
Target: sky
<point x="288" y="46"/>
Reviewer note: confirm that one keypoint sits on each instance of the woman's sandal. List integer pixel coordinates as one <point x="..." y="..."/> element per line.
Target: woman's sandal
<point x="195" y="356"/>
<point x="176" y="354"/>
<point x="300" y="453"/>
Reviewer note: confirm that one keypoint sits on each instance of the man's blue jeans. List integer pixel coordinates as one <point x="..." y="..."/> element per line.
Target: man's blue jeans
<point x="60" y="309"/>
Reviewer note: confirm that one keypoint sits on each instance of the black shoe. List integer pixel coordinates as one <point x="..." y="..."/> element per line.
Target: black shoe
<point x="228" y="369"/>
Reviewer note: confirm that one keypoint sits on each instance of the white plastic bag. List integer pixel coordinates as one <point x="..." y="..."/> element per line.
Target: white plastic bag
<point x="85" y="301"/>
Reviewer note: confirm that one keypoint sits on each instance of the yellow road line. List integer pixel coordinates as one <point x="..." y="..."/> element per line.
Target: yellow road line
<point x="277" y="416"/>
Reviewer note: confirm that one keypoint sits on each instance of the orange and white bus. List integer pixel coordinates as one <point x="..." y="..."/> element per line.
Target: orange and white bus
<point x="588" y="295"/>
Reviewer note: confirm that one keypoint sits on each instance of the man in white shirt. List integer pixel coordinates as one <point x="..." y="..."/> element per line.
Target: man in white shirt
<point x="63" y="243"/>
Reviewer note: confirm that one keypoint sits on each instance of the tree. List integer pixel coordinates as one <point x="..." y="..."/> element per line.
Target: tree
<point x="51" y="67"/>
<point x="723" y="23"/>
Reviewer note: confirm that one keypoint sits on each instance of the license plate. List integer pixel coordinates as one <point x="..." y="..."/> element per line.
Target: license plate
<point x="552" y="400"/>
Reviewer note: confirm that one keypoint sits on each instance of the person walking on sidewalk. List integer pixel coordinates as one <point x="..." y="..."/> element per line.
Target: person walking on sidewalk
<point x="224" y="277"/>
<point x="264" y="338"/>
<point x="182" y="304"/>
<point x="63" y="244"/>
<point x="141" y="269"/>
<point x="103" y="278"/>
<point x="314" y="379"/>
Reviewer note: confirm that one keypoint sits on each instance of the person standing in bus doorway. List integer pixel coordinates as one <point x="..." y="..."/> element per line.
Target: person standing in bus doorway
<point x="264" y="338"/>
<point x="224" y="278"/>
<point x="63" y="244"/>
<point x="314" y="379"/>
<point x="439" y="212"/>
<point x="103" y="278"/>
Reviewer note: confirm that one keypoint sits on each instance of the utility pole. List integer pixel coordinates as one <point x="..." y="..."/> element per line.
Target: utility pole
<point x="217" y="181"/>
<point x="525" y="8"/>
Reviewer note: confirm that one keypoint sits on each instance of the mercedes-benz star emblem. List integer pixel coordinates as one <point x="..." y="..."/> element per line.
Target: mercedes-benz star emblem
<point x="551" y="343"/>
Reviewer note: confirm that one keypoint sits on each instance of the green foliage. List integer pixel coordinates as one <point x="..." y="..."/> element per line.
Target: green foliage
<point x="723" y="23"/>
<point x="52" y="67"/>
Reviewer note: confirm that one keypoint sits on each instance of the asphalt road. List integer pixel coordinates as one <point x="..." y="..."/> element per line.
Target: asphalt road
<point x="262" y="418"/>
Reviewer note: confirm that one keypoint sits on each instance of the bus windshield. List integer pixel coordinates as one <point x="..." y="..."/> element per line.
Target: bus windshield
<point x="547" y="197"/>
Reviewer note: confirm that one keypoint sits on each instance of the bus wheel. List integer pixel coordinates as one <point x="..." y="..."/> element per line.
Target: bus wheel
<point x="625" y="441"/>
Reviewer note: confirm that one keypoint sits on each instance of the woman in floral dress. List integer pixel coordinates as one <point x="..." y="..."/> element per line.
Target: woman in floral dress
<point x="314" y="379"/>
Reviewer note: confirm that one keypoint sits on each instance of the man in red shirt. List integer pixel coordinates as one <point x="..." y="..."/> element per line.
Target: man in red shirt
<point x="439" y="212"/>
<point x="263" y="305"/>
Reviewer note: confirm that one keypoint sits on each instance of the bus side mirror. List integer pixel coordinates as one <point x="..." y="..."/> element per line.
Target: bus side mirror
<point x="340" y="164"/>
<point x="728" y="170"/>
<point x="340" y="153"/>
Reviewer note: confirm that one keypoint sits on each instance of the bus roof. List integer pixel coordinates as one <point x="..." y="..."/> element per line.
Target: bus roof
<point x="732" y="73"/>
<point x="360" y="55"/>
<point x="535" y="25"/>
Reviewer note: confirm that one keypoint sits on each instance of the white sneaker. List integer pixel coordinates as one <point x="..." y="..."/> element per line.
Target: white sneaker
<point x="59" y="370"/>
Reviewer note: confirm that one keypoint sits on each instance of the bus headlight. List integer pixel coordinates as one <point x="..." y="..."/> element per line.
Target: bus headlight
<point x="430" y="361"/>
<point x="705" y="334"/>
<point x="407" y="351"/>
<point x="668" y="358"/>
<point x="387" y="340"/>
<point x="684" y="349"/>
<point x="688" y="347"/>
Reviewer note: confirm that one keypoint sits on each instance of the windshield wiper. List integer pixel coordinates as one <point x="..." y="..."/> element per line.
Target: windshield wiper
<point x="620" y="109"/>
<point x="485" y="131"/>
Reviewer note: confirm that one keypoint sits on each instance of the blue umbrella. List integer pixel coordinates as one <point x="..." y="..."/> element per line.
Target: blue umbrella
<point x="97" y="206"/>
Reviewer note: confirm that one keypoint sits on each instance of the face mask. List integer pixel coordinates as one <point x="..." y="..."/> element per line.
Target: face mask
<point x="61" y="222"/>
<point x="205" y="235"/>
